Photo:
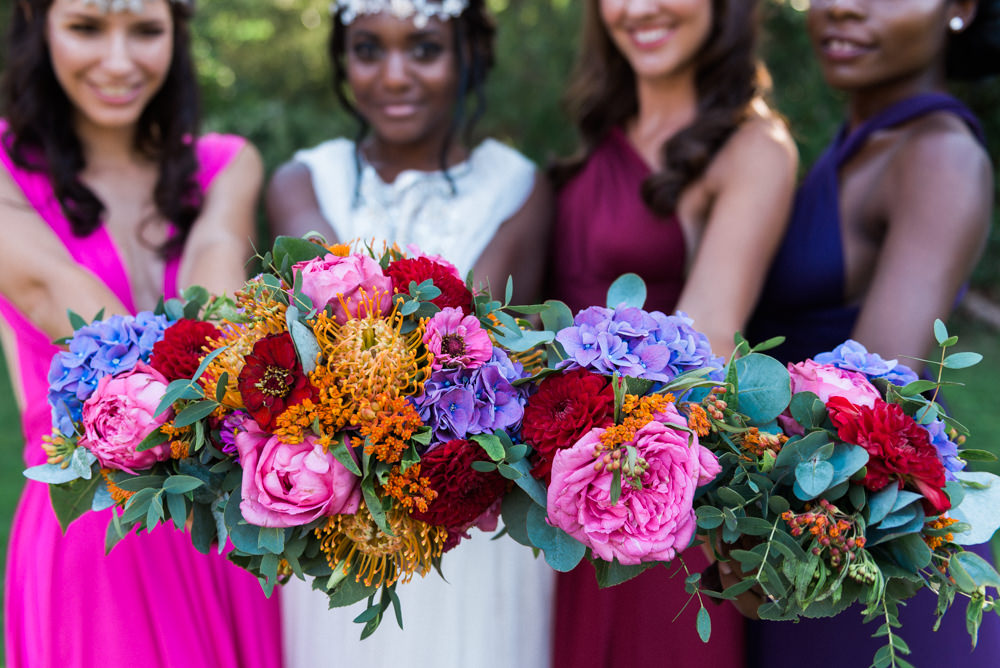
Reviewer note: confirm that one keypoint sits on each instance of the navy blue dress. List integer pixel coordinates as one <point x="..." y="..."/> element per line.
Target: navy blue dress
<point x="803" y="300"/>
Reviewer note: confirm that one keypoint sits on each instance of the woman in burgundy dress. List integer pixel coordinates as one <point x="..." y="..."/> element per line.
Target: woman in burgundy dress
<point x="685" y="178"/>
<point x="886" y="229"/>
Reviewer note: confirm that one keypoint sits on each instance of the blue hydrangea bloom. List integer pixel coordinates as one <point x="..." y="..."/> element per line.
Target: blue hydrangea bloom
<point x="853" y="356"/>
<point x="460" y="402"/>
<point x="947" y="450"/>
<point x="102" y="348"/>
<point x="633" y="342"/>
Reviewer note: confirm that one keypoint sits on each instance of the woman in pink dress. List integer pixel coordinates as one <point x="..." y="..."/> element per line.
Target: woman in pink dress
<point x="685" y="178"/>
<point x="108" y="201"/>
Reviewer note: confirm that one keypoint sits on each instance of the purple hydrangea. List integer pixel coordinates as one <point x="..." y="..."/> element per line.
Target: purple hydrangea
<point x="946" y="448"/>
<point x="632" y="342"/>
<point x="853" y="356"/>
<point x="102" y="348"/>
<point x="460" y="402"/>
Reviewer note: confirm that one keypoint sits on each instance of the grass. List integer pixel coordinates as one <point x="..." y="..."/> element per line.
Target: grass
<point x="974" y="405"/>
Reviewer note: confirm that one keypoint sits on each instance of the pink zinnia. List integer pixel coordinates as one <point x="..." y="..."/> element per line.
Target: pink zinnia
<point x="457" y="340"/>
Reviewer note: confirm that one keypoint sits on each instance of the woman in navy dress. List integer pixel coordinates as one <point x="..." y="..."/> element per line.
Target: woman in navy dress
<point x="885" y="231"/>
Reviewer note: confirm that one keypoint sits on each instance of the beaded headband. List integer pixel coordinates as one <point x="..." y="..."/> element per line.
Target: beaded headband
<point x="420" y="11"/>
<point x="134" y="6"/>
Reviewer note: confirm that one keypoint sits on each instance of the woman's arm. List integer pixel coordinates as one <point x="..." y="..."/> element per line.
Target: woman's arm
<point x="756" y="177"/>
<point x="38" y="275"/>
<point x="519" y="247"/>
<point x="292" y="207"/>
<point x="937" y="199"/>
<point x="220" y="243"/>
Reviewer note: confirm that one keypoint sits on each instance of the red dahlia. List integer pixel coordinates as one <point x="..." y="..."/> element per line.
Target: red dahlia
<point x="272" y="379"/>
<point x="564" y="408"/>
<point x="453" y="291"/>
<point x="463" y="494"/>
<point x="899" y="449"/>
<point x="177" y="355"/>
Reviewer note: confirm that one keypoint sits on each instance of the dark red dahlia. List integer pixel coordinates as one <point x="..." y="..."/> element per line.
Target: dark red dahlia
<point x="564" y="408"/>
<point x="272" y="379"/>
<point x="177" y="355"/>
<point x="454" y="294"/>
<point x="463" y="494"/>
<point x="899" y="449"/>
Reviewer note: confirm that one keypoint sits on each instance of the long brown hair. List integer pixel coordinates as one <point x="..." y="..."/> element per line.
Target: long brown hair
<point x="41" y="138"/>
<point x="728" y="78"/>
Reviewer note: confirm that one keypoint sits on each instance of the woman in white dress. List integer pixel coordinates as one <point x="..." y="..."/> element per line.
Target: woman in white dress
<point x="412" y="72"/>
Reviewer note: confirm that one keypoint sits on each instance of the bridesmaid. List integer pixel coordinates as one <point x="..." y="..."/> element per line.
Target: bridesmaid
<point x="109" y="201"/>
<point x="685" y="177"/>
<point x="413" y="75"/>
<point x="886" y="230"/>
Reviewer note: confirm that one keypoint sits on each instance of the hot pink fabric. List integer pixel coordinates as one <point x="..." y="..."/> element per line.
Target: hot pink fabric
<point x="154" y="601"/>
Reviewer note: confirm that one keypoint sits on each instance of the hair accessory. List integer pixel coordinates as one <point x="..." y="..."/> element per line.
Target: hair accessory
<point x="956" y="24"/>
<point x="419" y="10"/>
<point x="134" y="6"/>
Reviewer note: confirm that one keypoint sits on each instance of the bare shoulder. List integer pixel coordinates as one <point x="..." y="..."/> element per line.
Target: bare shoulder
<point x="292" y="174"/>
<point x="292" y="206"/>
<point x="761" y="144"/>
<point x="939" y="147"/>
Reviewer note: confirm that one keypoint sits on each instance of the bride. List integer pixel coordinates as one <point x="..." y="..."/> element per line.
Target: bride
<point x="406" y="70"/>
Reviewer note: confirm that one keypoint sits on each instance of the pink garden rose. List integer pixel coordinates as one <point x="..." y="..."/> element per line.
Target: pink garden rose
<point x="355" y="277"/>
<point x="825" y="381"/>
<point x="457" y="340"/>
<point x="649" y="524"/>
<point x="120" y="414"/>
<point x="290" y="485"/>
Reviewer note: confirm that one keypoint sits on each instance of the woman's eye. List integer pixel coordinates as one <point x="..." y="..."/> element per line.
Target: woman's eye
<point x="365" y="51"/>
<point x="427" y="51"/>
<point x="84" y="28"/>
<point x="150" y="31"/>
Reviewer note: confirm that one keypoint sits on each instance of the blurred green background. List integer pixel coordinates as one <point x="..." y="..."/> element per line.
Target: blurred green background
<point x="264" y="75"/>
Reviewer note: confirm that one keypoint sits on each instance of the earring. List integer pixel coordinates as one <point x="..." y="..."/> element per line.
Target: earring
<point x="956" y="24"/>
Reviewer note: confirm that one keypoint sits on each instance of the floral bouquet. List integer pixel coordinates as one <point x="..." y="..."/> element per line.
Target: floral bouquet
<point x="830" y="482"/>
<point x="350" y="417"/>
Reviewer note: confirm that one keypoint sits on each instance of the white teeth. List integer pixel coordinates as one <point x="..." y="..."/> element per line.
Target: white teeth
<point x="117" y="91"/>
<point x="842" y="45"/>
<point x="650" y="35"/>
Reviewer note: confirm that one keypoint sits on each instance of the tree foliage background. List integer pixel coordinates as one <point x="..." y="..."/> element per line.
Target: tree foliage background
<point x="264" y="73"/>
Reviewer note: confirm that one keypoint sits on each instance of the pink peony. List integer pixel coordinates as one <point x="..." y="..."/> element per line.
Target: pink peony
<point x="290" y="485"/>
<point x="120" y="414"/>
<point x="345" y="284"/>
<point x="649" y="524"/>
<point x="825" y="381"/>
<point x="457" y="340"/>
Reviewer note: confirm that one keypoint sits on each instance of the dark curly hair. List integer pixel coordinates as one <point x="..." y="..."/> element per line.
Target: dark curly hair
<point x="974" y="53"/>
<point x="728" y="78"/>
<point x="40" y="135"/>
<point x="473" y="35"/>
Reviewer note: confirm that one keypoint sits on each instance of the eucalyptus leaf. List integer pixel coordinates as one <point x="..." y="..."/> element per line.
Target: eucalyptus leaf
<point x="812" y="478"/>
<point x="181" y="484"/>
<point x="562" y="551"/>
<point x="52" y="474"/>
<point x="556" y="316"/>
<point x="614" y="573"/>
<point x="102" y="497"/>
<point x="704" y="624"/>
<point x="962" y="360"/>
<point x="629" y="290"/>
<point x="764" y="387"/>
<point x="306" y="345"/>
<point x="294" y="250"/>
<point x="978" y="508"/>
<point x="514" y="512"/>
<point x="980" y="570"/>
<point x="880" y="504"/>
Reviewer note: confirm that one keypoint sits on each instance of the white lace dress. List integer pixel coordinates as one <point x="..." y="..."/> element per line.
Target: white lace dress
<point x="495" y="609"/>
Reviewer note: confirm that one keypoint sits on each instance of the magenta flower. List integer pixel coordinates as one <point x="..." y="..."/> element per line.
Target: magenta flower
<point x="653" y="523"/>
<point x="346" y="284"/>
<point x="457" y="340"/>
<point x="120" y="414"/>
<point x="290" y="485"/>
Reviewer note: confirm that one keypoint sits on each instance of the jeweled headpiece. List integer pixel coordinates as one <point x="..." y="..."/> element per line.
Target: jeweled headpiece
<point x="420" y="11"/>
<point x="134" y="6"/>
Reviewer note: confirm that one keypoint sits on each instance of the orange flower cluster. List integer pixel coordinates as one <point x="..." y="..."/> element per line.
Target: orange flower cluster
<point x="118" y="495"/>
<point x="698" y="419"/>
<point x="180" y="440"/>
<point x="409" y="488"/>
<point x="638" y="412"/>
<point x="328" y="412"/>
<point x="833" y="532"/>
<point x="387" y="423"/>
<point x="934" y="542"/>
<point x="756" y="443"/>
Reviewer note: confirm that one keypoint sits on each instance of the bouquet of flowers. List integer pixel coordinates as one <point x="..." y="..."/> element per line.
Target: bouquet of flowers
<point x="830" y="482"/>
<point x="350" y="417"/>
